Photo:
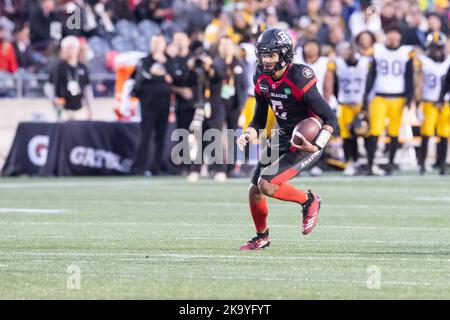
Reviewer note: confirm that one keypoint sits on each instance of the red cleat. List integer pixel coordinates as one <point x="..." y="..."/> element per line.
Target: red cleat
<point x="310" y="213"/>
<point x="261" y="241"/>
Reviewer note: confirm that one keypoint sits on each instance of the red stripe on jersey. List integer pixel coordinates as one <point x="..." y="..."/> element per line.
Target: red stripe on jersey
<point x="309" y="85"/>
<point x="296" y="91"/>
<point x="284" y="176"/>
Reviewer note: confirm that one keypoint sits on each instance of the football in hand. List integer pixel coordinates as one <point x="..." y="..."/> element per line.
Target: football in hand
<point x="308" y="128"/>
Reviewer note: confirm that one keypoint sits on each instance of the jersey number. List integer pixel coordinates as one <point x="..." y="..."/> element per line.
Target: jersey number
<point x="351" y="85"/>
<point x="431" y="80"/>
<point x="394" y="67"/>
<point x="277" y="107"/>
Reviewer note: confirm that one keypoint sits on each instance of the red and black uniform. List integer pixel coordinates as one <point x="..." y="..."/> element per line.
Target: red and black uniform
<point x="293" y="98"/>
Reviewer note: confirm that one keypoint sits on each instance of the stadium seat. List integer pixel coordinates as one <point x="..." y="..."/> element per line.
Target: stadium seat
<point x="122" y="44"/>
<point x="100" y="46"/>
<point x="148" y="28"/>
<point x="141" y="43"/>
<point x="127" y="28"/>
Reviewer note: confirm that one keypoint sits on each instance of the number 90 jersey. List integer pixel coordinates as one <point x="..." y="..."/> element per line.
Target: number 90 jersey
<point x="391" y="66"/>
<point x="433" y="74"/>
<point x="285" y="96"/>
<point x="351" y="80"/>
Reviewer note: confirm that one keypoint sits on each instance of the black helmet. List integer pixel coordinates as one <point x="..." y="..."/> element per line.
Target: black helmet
<point x="436" y="39"/>
<point x="360" y="125"/>
<point x="274" y="41"/>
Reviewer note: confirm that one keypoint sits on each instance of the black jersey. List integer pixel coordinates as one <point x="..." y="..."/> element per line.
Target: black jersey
<point x="293" y="98"/>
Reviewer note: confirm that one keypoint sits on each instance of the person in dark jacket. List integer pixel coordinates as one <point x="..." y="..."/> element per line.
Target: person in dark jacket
<point x="45" y="25"/>
<point x="152" y="86"/>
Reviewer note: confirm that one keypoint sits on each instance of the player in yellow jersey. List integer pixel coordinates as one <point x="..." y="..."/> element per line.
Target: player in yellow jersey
<point x="433" y="67"/>
<point x="350" y="72"/>
<point x="391" y="77"/>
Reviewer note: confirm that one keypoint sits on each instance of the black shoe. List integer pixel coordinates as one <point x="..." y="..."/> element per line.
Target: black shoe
<point x="389" y="169"/>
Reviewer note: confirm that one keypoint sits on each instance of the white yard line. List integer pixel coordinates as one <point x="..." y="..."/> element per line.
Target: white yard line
<point x="245" y="204"/>
<point x="30" y="210"/>
<point x="432" y="199"/>
<point x="299" y="240"/>
<point x="223" y="225"/>
<point x="362" y="282"/>
<point x="106" y="182"/>
<point x="248" y="256"/>
<point x="306" y="280"/>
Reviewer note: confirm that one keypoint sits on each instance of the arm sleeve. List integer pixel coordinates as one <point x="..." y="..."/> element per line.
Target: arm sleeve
<point x="370" y="81"/>
<point x="317" y="104"/>
<point x="445" y="86"/>
<point x="260" y="116"/>
<point x="409" y="81"/>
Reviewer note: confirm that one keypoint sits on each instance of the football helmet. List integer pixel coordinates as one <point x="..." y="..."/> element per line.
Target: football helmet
<point x="274" y="41"/>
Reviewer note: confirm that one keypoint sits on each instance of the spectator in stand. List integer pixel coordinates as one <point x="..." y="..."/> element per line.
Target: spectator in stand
<point x="313" y="10"/>
<point x="27" y="58"/>
<point x="367" y="18"/>
<point x="434" y="23"/>
<point x="331" y="30"/>
<point x="8" y="61"/>
<point x="288" y="11"/>
<point x="415" y="33"/>
<point x="388" y="15"/>
<point x="14" y="10"/>
<point x="45" y="25"/>
<point x="155" y="10"/>
<point x="119" y="10"/>
<point x="197" y="16"/>
<point x="242" y="28"/>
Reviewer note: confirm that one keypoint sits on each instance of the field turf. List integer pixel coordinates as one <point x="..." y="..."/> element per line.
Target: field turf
<point x="164" y="238"/>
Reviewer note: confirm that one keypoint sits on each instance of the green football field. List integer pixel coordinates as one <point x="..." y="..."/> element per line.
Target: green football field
<point x="164" y="238"/>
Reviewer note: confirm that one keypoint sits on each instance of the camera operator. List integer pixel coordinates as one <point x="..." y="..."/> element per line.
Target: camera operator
<point x="227" y="84"/>
<point x="152" y="86"/>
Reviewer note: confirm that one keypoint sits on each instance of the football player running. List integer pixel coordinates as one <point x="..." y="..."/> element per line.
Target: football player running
<point x="290" y="90"/>
<point x="433" y="67"/>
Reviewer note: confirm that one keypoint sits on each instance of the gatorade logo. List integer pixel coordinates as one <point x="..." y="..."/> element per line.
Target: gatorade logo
<point x="38" y="150"/>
